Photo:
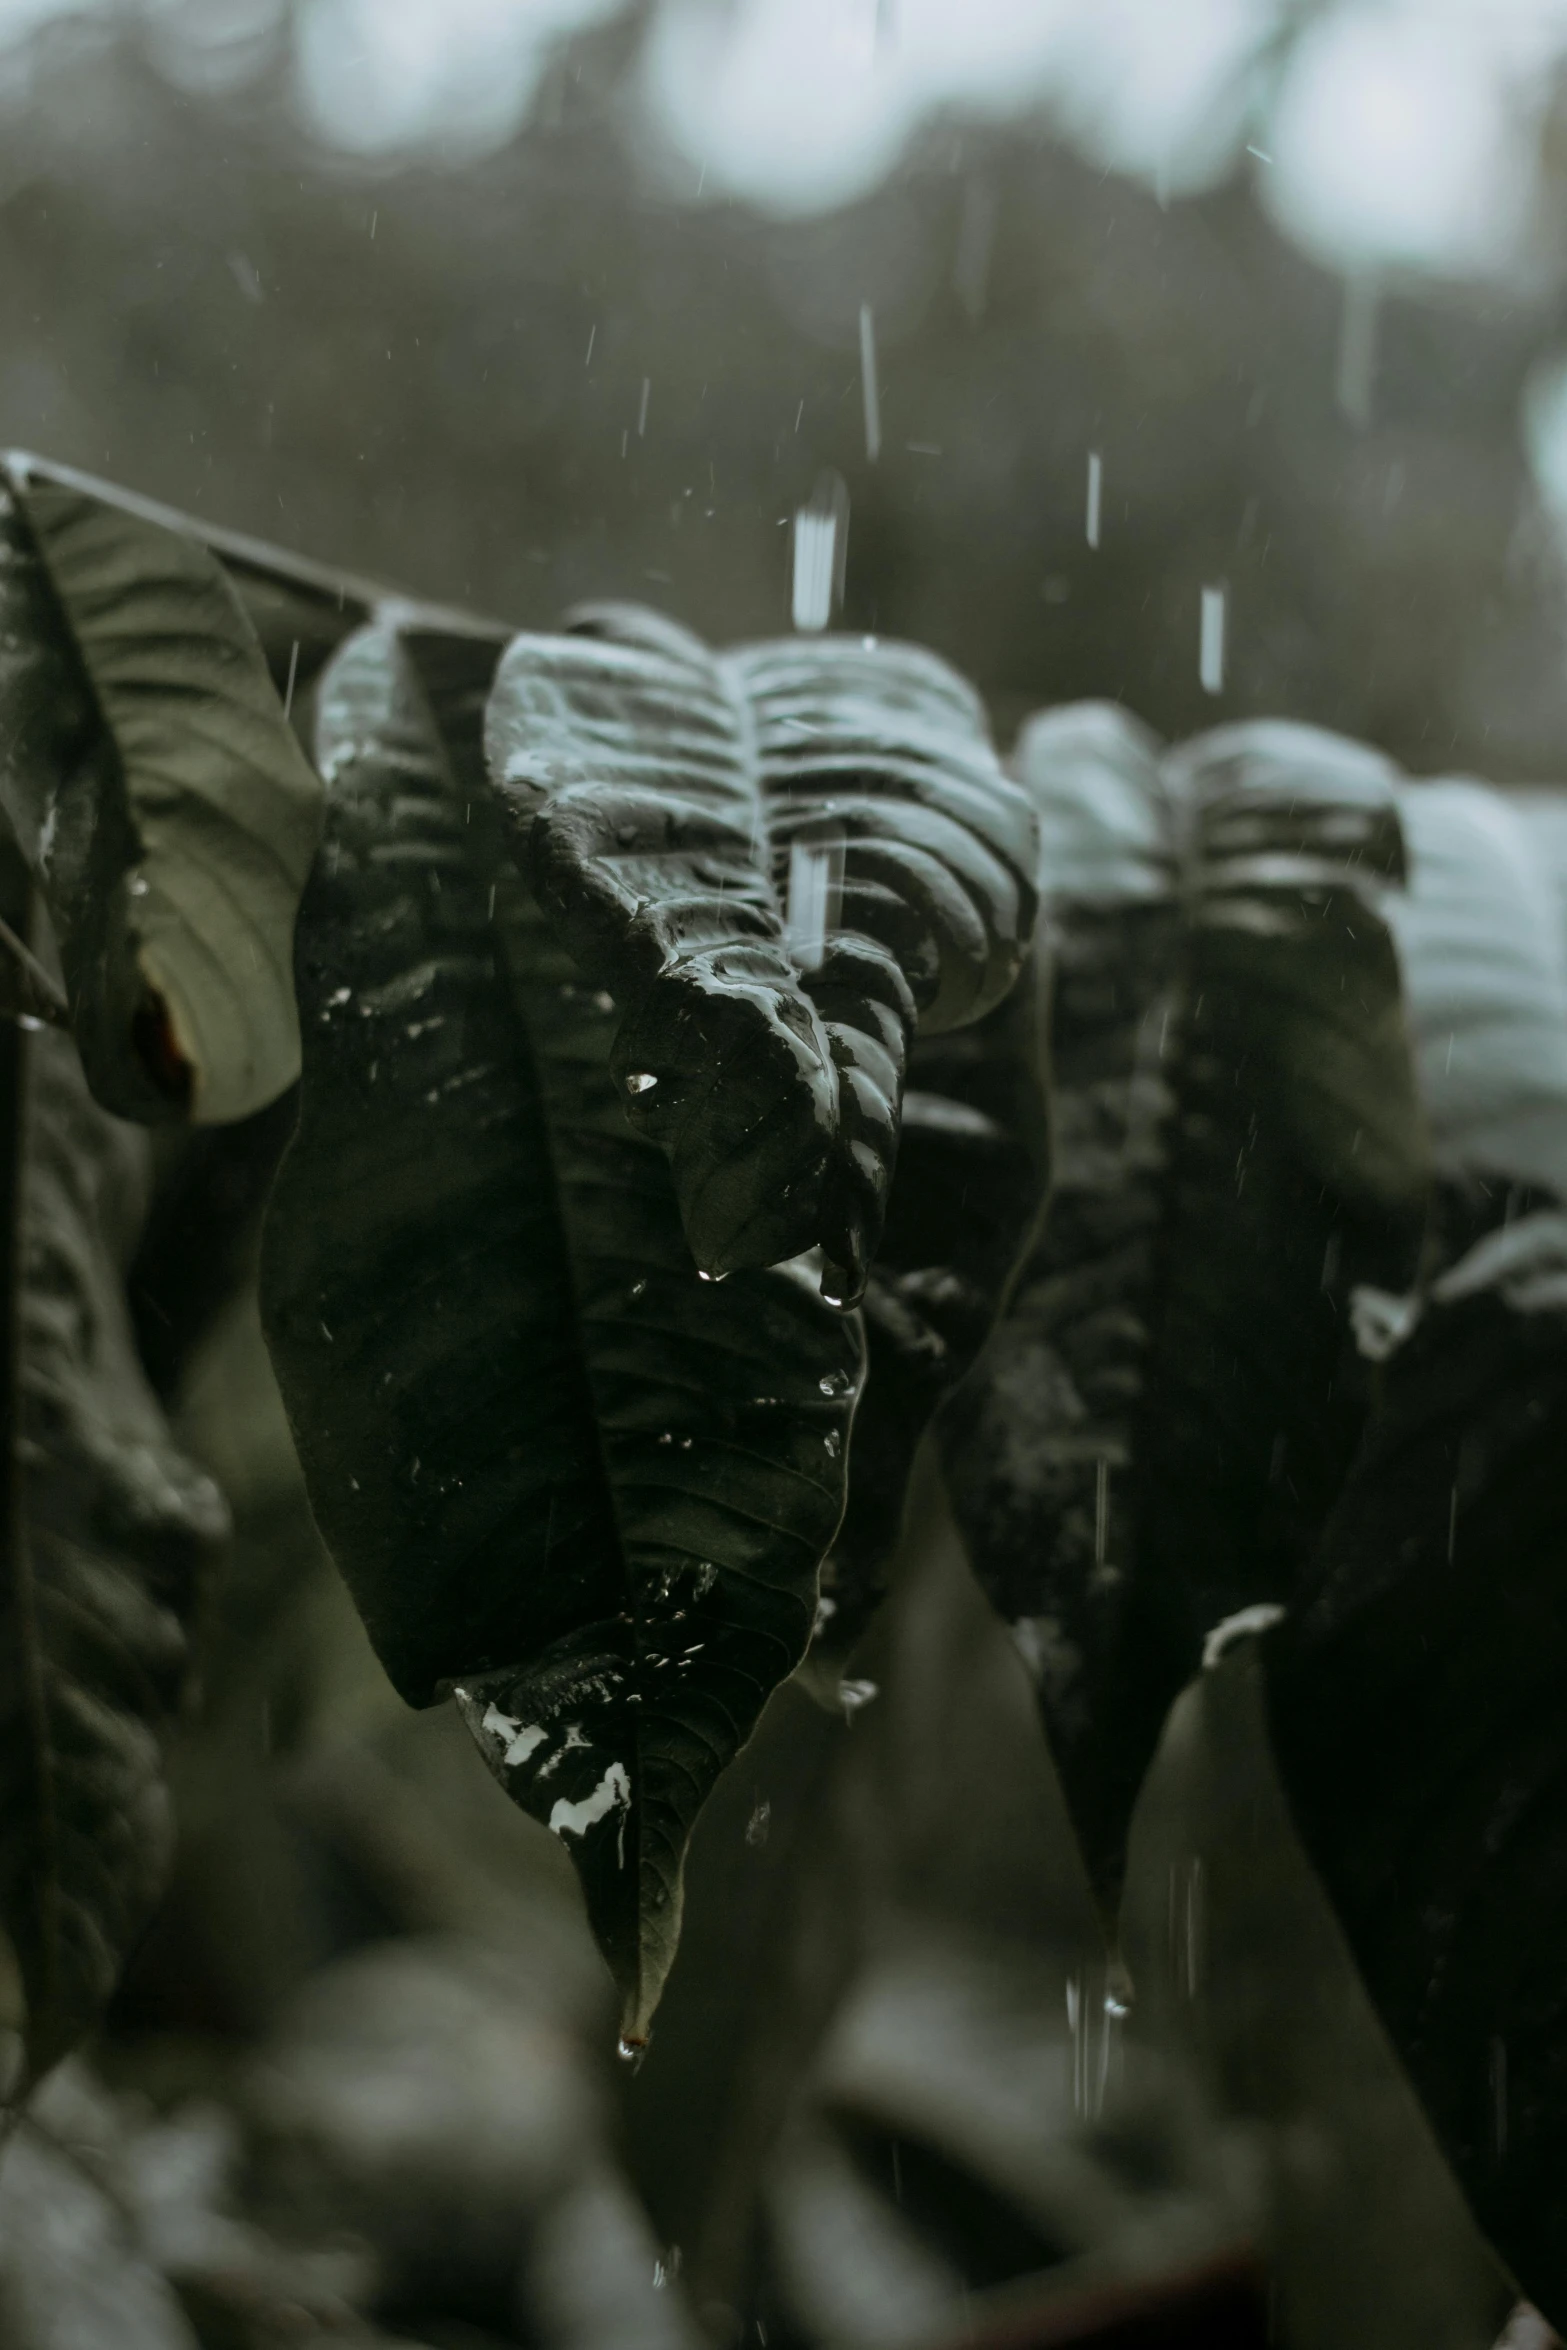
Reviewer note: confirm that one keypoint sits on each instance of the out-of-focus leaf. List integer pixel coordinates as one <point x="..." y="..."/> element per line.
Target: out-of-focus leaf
<point x="1414" y="1700"/>
<point x="1485" y="980"/>
<point x="159" y="797"/>
<point x="199" y="1249"/>
<point x="667" y="806"/>
<point x="562" y="1474"/>
<point x="1155" y="1434"/>
<point x="72" y="2275"/>
<point x="973" y="1167"/>
<point x="966" y="2165"/>
<point x="109" y="1530"/>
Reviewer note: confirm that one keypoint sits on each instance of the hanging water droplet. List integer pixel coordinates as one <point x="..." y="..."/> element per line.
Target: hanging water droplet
<point x="640" y="1081"/>
<point x="854" y="1696"/>
<point x="715" y="1278"/>
<point x="835" y="1382"/>
<point x="756" y="1827"/>
<point x="631" y="2052"/>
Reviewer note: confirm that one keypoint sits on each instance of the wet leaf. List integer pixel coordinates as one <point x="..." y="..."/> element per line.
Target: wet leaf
<point x="162" y="803"/>
<point x="563" y="1475"/>
<point x="905" y="860"/>
<point x="623" y="768"/>
<point x="666" y="813"/>
<point x="1414" y="1699"/>
<point x="1151" y="1441"/>
<point x="973" y="1169"/>
<point x="110" y="1532"/>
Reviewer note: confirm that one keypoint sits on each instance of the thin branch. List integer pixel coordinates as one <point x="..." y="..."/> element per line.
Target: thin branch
<point x="27" y="990"/>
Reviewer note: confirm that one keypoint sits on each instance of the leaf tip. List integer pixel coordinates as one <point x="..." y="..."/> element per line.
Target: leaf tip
<point x="159" y="1051"/>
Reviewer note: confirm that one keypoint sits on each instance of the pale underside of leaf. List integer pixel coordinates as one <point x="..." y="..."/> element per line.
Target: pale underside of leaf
<point x="1485" y="973"/>
<point x="565" y="1477"/>
<point x="167" y="812"/>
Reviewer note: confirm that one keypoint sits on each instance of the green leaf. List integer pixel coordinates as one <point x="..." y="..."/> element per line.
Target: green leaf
<point x="1415" y="1701"/>
<point x="564" y="1476"/>
<point x="973" y="1170"/>
<point x="109" y="1532"/>
<point x="1150" y="1443"/>
<point x="879" y="783"/>
<point x="622" y="765"/>
<point x="164" y="807"/>
<point x="664" y="808"/>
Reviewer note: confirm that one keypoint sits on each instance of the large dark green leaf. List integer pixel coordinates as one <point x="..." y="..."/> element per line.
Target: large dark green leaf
<point x="1150" y="1443"/>
<point x="159" y="797"/>
<point x="876" y="766"/>
<point x="1415" y="1700"/>
<point x="108" y="1531"/>
<point x="566" y="1477"/>
<point x="660" y="799"/>
<point x="973" y="1168"/>
<point x="622" y="764"/>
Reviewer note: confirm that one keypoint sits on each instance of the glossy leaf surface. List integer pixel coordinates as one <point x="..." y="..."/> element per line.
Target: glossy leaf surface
<point x="622" y="765"/>
<point x="973" y="1171"/>
<point x="564" y="1476"/>
<point x="674" y="829"/>
<point x="905" y="860"/>
<point x="163" y="805"/>
<point x="1155" y="1434"/>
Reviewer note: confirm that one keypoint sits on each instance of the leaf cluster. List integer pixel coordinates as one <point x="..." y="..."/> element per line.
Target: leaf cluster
<point x="668" y="1080"/>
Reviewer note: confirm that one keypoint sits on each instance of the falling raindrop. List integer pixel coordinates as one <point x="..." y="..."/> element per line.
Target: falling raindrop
<point x="1357" y="349"/>
<point x="640" y="1081"/>
<point x="854" y="1696"/>
<point x="815" y="897"/>
<point x="868" y="382"/>
<point x="1210" y="649"/>
<point x="1095" y="493"/>
<point x="820" y="548"/>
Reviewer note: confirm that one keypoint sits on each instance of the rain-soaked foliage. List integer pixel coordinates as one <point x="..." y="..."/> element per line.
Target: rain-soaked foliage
<point x="801" y="1317"/>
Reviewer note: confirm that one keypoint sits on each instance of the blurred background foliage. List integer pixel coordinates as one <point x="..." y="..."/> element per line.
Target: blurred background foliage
<point x="521" y="301"/>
